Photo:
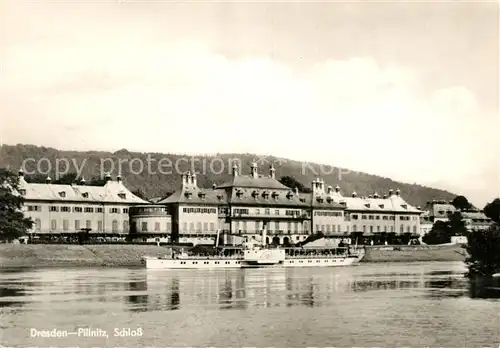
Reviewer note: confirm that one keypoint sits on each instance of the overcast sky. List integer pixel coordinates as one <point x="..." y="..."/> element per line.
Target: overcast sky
<point x="404" y="90"/>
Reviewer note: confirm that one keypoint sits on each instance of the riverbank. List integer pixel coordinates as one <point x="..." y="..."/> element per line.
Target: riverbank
<point x="56" y="255"/>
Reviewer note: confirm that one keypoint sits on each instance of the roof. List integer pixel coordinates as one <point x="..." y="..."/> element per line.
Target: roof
<point x="195" y="195"/>
<point x="112" y="192"/>
<point x="251" y="181"/>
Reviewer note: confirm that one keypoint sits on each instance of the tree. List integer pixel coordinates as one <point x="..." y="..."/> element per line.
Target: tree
<point x="483" y="248"/>
<point x="439" y="234"/>
<point x="13" y="223"/>
<point x="67" y="179"/>
<point x="456" y="224"/>
<point x="292" y="183"/>
<point x="97" y="181"/>
<point x="492" y="210"/>
<point x="461" y="203"/>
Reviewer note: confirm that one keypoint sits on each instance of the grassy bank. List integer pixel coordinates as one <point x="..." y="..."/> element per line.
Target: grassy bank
<point x="53" y="255"/>
<point x="414" y="253"/>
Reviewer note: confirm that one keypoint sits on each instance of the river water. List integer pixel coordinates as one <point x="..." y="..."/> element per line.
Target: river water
<point x="370" y="305"/>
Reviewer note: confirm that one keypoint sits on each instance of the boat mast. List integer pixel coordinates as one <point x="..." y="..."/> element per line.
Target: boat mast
<point x="217" y="239"/>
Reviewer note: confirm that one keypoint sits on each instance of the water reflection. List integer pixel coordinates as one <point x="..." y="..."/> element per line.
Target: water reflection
<point x="146" y="291"/>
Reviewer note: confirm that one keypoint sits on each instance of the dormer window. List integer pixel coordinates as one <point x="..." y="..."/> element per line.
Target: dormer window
<point x="381" y="206"/>
<point x="255" y="194"/>
<point x="201" y="195"/>
<point x="289" y="195"/>
<point x="275" y="195"/>
<point x="265" y="195"/>
<point x="188" y="195"/>
<point x="329" y="199"/>
<point x="62" y="194"/>
<point x="22" y="192"/>
<point x="219" y="197"/>
<point x="302" y="199"/>
<point x="122" y="195"/>
<point x="85" y="195"/>
<point x="239" y="193"/>
<point x="319" y="199"/>
<point x="405" y="206"/>
<point x="367" y="205"/>
<point x="344" y="203"/>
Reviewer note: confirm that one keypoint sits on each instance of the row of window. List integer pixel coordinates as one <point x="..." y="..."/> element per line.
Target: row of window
<point x="327" y="213"/>
<point x="67" y="209"/>
<point x="384" y="217"/>
<point x="198" y="227"/>
<point x="259" y="226"/>
<point x="384" y="229"/>
<point x="148" y="209"/>
<point x="79" y="225"/>
<point x="200" y="210"/>
<point x="157" y="227"/>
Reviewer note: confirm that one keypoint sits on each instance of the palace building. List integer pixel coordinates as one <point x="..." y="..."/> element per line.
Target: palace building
<point x="247" y="206"/>
<point x="254" y="205"/>
<point x="66" y="209"/>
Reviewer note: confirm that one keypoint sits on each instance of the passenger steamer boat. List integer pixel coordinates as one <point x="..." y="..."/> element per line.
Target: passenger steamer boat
<point x="256" y="255"/>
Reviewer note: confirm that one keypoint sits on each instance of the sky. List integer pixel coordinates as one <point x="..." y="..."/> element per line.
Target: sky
<point x="407" y="90"/>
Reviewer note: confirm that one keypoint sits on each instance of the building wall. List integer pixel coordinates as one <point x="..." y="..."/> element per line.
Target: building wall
<point x="329" y="222"/>
<point x="66" y="217"/>
<point x="378" y="222"/>
<point x="197" y="219"/>
<point x="150" y="220"/>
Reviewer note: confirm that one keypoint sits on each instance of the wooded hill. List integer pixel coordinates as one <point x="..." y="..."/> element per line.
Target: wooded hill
<point x="163" y="176"/>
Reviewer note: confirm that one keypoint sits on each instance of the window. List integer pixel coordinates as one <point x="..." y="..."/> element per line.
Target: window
<point x="244" y="228"/>
<point x="65" y="209"/>
<point x="392" y="229"/>
<point x="384" y="217"/>
<point x="268" y="211"/>
<point x="198" y="227"/>
<point x="89" y="210"/>
<point x="277" y="226"/>
<point x="322" y="228"/>
<point x="88" y="224"/>
<point x="327" y="228"/>
<point x="408" y="229"/>
<point x="169" y="227"/>
<point x="347" y="228"/>
<point x="114" y="226"/>
<point x="276" y="212"/>
<point x="401" y="228"/>
<point x="77" y="225"/>
<point x="377" y="217"/>
<point x="370" y="217"/>
<point x="296" y="227"/>
<point x="415" y="229"/>
<point x="53" y="224"/>
<point x="53" y="208"/>
<point x="185" y="227"/>
<point x="114" y="210"/>
<point x="125" y="210"/>
<point x="62" y="194"/>
<point x="77" y="209"/>
<point x="205" y="226"/>
<point x="371" y="229"/>
<point x="306" y="226"/>
<point x="354" y="216"/>
<point x="144" y="226"/>
<point x="289" y="226"/>
<point x="378" y="228"/>
<point x="157" y="226"/>
<point x="354" y="228"/>
<point x="99" y="210"/>
<point x="38" y="225"/>
<point x="257" y="211"/>
<point x="65" y="225"/>
<point x="212" y="226"/>
<point x="99" y="225"/>
<point x="363" y="217"/>
<point x="364" y="228"/>
<point x="191" y="227"/>
<point x="334" y="229"/>
<point x="122" y="195"/>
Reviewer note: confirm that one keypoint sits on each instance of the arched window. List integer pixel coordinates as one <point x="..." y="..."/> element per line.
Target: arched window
<point x="198" y="227"/>
<point x="53" y="225"/>
<point x="401" y="228"/>
<point x="125" y="226"/>
<point x="408" y="229"/>
<point x="415" y="229"/>
<point x="65" y="225"/>
<point x="114" y="226"/>
<point x="191" y="227"/>
<point x="38" y="225"/>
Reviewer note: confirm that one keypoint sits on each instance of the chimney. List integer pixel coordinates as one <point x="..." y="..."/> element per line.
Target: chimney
<point x="370" y="196"/>
<point x="108" y="177"/>
<point x="390" y="192"/>
<point x="337" y="188"/>
<point x="214" y="187"/>
<point x="376" y="195"/>
<point x="296" y="190"/>
<point x="82" y="181"/>
<point x="235" y="170"/>
<point x="398" y="192"/>
<point x="385" y="196"/>
<point x="329" y="190"/>
<point x="184" y="180"/>
<point x="253" y="168"/>
<point x="188" y="178"/>
<point x="193" y="179"/>
<point x="119" y="178"/>
<point x="21" y="172"/>
<point x="272" y="172"/>
<point x="48" y="180"/>
<point x="354" y="194"/>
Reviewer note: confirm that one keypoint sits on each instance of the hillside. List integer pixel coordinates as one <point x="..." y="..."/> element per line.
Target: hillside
<point x="164" y="178"/>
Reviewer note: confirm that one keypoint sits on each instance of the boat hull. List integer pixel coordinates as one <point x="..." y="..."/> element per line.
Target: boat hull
<point x="155" y="263"/>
